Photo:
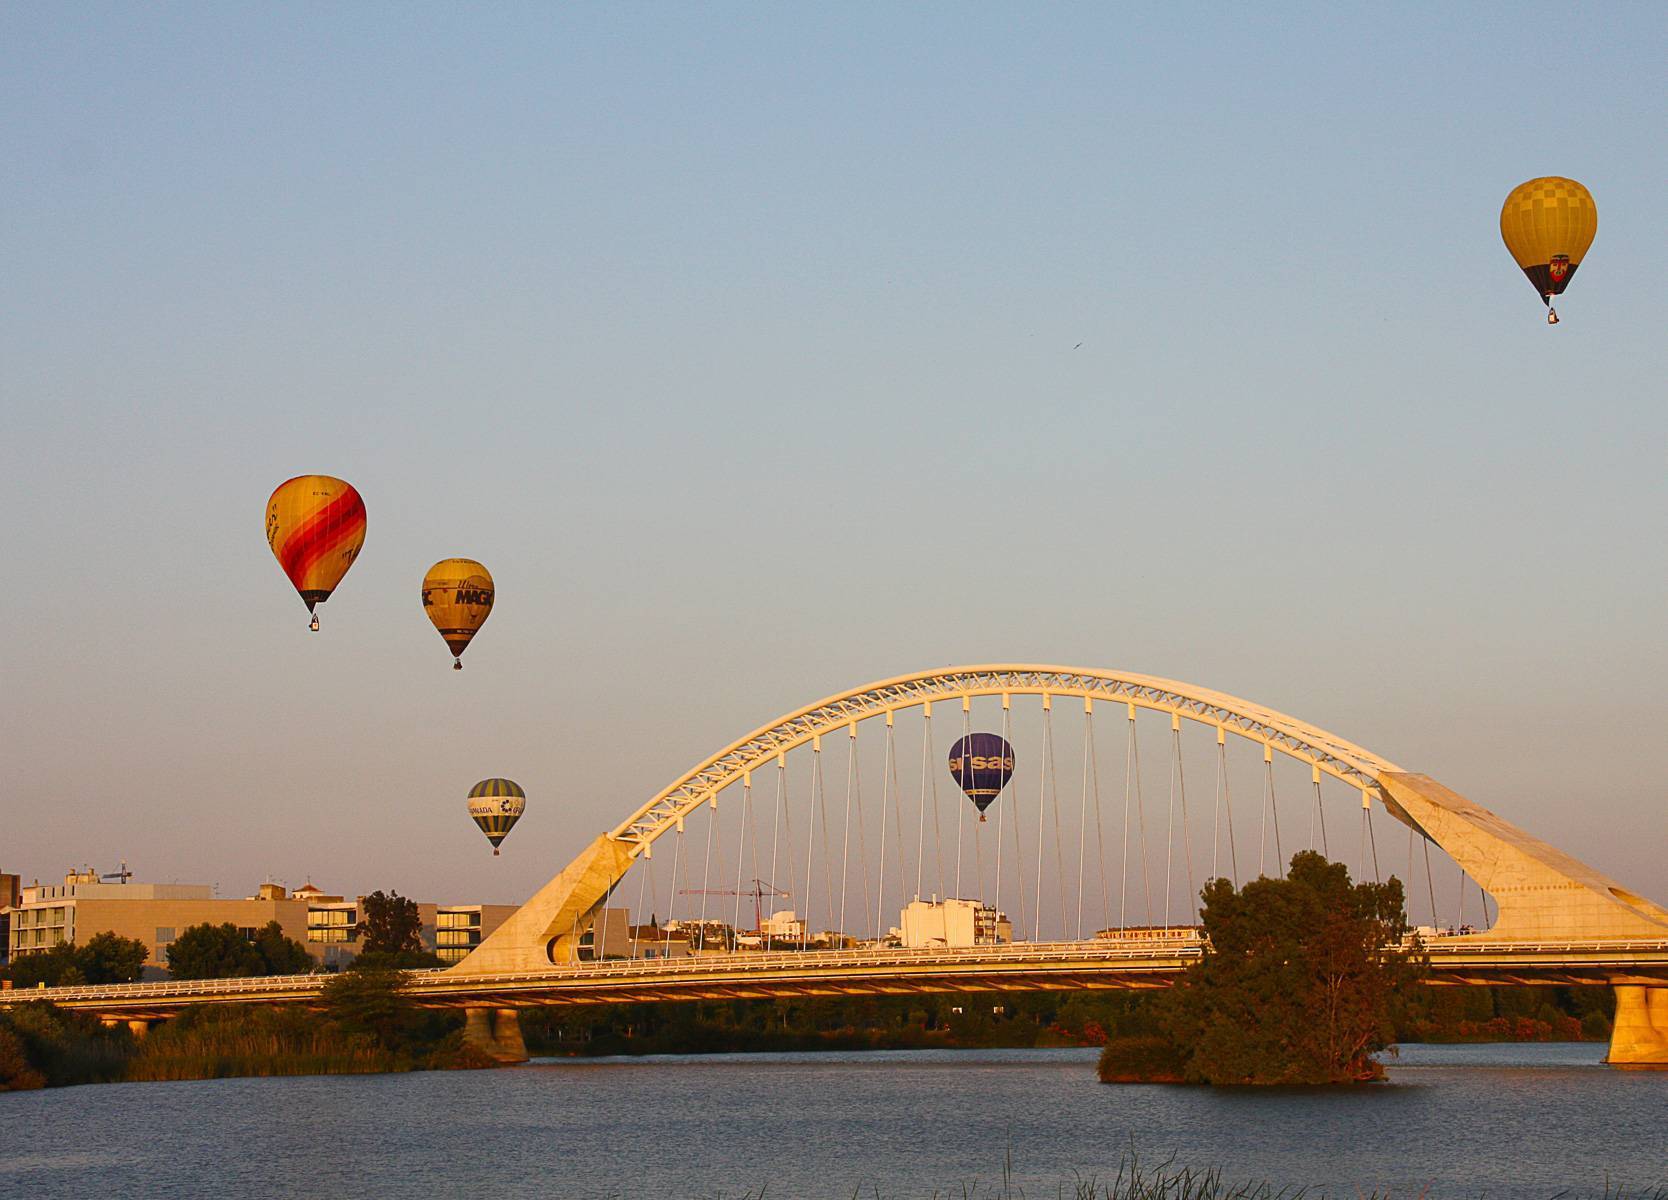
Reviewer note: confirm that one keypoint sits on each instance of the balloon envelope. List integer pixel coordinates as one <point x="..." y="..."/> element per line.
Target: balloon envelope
<point x="496" y="805"/>
<point x="457" y="596"/>
<point x="315" y="525"/>
<point x="1548" y="224"/>
<point x="981" y="764"/>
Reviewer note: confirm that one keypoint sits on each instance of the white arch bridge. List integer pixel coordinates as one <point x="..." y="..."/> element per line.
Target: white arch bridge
<point x="1555" y="920"/>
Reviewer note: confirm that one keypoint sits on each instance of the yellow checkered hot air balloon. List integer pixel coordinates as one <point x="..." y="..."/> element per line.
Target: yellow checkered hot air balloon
<point x="1548" y="224"/>
<point x="496" y="805"/>
<point x="457" y="596"/>
<point x="315" y="525"/>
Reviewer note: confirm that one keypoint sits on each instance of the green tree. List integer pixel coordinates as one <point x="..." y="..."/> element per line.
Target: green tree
<point x="109" y="958"/>
<point x="281" y="955"/>
<point x="105" y="958"/>
<point x="1300" y="982"/>
<point x="213" y="952"/>
<point x="389" y="924"/>
<point x="56" y="967"/>
<point x="372" y="1003"/>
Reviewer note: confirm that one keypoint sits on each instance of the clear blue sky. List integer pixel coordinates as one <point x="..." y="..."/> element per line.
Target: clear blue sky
<point x="727" y="336"/>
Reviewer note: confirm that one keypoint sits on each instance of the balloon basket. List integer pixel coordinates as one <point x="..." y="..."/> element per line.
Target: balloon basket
<point x="1551" y="316"/>
<point x="313" y="624"/>
<point x="495" y="852"/>
<point x="457" y="664"/>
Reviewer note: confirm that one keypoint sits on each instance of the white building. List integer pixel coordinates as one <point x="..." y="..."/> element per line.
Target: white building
<point x="937" y="924"/>
<point x="784" y="926"/>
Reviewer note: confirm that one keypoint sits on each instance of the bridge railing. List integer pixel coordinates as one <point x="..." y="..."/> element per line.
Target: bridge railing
<point x="1099" y="949"/>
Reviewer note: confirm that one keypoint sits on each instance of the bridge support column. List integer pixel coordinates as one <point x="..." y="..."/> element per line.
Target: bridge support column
<point x="138" y="1029"/>
<point x="1640" y="1036"/>
<point x="496" y="1032"/>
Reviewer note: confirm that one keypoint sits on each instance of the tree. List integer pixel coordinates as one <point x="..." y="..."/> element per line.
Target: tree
<point x="109" y="958"/>
<point x="213" y="952"/>
<point x="279" y="954"/>
<point x="372" y="1003"/>
<point x="56" y="967"/>
<point x="389" y="924"/>
<point x="224" y="952"/>
<point x="1299" y="983"/>
<point x="106" y="958"/>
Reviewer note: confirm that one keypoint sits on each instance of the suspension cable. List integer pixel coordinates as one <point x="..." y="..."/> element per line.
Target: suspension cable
<point x="1320" y="811"/>
<point x="888" y="774"/>
<point x="811" y="836"/>
<point x="1013" y="820"/>
<point x="672" y="903"/>
<point x="1083" y="812"/>
<point x="1129" y="770"/>
<point x="1042" y="812"/>
<point x="1187" y="829"/>
<point x="1372" y="840"/>
<point x="921" y="826"/>
<point x="1170" y="815"/>
<point x="1459" y="907"/>
<point x="1271" y="805"/>
<point x="845" y="853"/>
<point x="997" y="903"/>
<point x="1141" y="816"/>
<point x="1430" y="884"/>
<point x="706" y="872"/>
<point x="1100" y="823"/>
<point x="642" y="886"/>
<point x="1054" y="803"/>
<point x="786" y="817"/>
<point x="741" y="846"/>
<point x="961" y="809"/>
<point x="1228" y="801"/>
<point x="862" y="835"/>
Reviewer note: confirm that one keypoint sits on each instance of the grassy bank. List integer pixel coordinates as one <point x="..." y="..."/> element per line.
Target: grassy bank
<point x="368" y="1029"/>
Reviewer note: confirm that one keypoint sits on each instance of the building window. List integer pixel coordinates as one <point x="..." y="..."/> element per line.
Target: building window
<point x="164" y="934"/>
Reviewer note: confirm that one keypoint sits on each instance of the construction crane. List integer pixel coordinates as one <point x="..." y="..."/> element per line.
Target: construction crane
<point x="758" y="891"/>
<point x="121" y="876"/>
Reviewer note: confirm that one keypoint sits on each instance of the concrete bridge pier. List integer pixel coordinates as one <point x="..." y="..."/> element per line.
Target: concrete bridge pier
<point x="495" y="1032"/>
<point x="138" y="1028"/>
<point x="1639" y="1037"/>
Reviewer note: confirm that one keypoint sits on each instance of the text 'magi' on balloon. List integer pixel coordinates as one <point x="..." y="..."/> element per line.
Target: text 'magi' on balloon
<point x="496" y="805"/>
<point x="981" y="764"/>
<point x="315" y="525"/>
<point x="1548" y="225"/>
<point x="457" y="596"/>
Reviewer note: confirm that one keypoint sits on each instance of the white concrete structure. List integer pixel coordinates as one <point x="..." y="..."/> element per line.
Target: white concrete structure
<point x="935" y="923"/>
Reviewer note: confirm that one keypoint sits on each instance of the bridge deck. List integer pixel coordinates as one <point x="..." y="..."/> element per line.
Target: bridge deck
<point x="1100" y="964"/>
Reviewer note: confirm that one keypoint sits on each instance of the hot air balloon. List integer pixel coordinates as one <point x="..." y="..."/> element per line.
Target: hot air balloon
<point x="457" y="595"/>
<point x="315" y="525"/>
<point x="496" y="805"/>
<point x="981" y="764"/>
<point x="1548" y="223"/>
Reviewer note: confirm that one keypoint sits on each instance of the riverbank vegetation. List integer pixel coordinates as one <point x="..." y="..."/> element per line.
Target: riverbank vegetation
<point x="365" y="1024"/>
<point x="1015" y="1020"/>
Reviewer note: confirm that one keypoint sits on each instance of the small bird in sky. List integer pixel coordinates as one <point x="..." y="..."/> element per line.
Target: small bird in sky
<point x="1079" y="344"/>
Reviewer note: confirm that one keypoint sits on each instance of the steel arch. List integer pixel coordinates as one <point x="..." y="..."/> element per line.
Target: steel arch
<point x="1229" y="714"/>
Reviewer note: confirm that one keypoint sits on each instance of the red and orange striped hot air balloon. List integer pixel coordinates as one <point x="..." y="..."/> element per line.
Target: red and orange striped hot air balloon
<point x="315" y="525"/>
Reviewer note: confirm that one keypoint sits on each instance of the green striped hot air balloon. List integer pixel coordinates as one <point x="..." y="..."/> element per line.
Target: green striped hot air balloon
<point x="496" y="805"/>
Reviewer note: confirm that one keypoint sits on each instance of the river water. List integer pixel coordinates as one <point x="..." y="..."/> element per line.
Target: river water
<point x="1516" y="1120"/>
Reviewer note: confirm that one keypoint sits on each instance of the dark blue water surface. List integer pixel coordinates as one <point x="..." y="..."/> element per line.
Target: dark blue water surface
<point x="1519" y="1120"/>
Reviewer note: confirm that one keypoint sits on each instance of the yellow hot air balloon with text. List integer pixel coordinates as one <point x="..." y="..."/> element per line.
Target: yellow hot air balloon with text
<point x="315" y="525"/>
<point x="457" y="596"/>
<point x="1548" y="224"/>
